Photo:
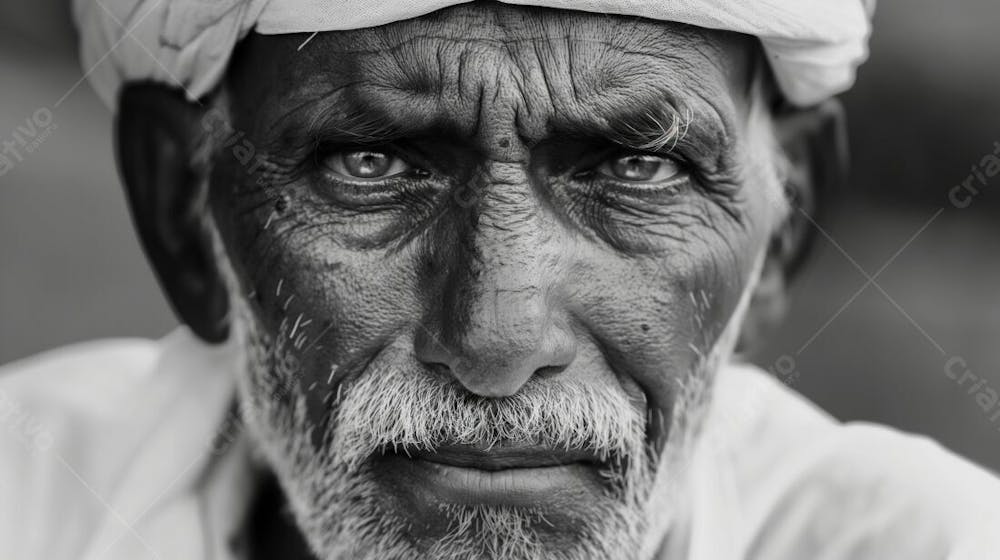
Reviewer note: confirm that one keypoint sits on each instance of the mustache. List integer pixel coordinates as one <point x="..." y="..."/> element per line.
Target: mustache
<point x="389" y="409"/>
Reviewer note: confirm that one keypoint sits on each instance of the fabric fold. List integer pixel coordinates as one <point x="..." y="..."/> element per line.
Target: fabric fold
<point x="814" y="46"/>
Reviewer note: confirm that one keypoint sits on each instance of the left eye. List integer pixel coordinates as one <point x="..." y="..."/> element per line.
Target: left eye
<point x="640" y="168"/>
<point x="365" y="164"/>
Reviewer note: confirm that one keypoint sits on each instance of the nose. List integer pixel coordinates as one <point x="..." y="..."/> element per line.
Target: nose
<point x="495" y="319"/>
<point x="501" y="343"/>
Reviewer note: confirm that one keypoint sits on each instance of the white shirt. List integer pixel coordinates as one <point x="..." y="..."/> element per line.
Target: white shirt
<point x="112" y="450"/>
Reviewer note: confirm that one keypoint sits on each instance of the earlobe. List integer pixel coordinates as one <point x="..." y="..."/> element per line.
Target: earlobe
<point x="158" y="138"/>
<point x="768" y="305"/>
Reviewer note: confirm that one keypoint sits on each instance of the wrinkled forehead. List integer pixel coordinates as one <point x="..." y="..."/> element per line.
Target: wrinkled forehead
<point x="471" y="65"/>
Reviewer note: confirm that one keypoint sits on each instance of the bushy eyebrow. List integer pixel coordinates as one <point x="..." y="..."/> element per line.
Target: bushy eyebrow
<point x="654" y="127"/>
<point x="653" y="130"/>
<point x="335" y="116"/>
<point x="344" y="115"/>
<point x="693" y="130"/>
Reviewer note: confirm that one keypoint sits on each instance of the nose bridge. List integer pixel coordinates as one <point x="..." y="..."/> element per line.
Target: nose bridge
<point x="505" y="295"/>
<point x="510" y="248"/>
<point x="499" y="320"/>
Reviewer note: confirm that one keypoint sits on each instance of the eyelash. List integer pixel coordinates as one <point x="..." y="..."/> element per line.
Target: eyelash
<point x="411" y="185"/>
<point x="392" y="188"/>
<point x="687" y="174"/>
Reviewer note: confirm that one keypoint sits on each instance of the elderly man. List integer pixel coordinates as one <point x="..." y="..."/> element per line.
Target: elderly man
<point x="465" y="281"/>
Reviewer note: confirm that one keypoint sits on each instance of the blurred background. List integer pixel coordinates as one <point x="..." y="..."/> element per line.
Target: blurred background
<point x="924" y="114"/>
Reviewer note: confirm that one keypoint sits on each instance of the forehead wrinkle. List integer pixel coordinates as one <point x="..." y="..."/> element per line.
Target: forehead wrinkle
<point x="422" y="69"/>
<point x="502" y="26"/>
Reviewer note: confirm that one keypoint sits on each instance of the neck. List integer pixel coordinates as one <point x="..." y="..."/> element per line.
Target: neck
<point x="270" y="532"/>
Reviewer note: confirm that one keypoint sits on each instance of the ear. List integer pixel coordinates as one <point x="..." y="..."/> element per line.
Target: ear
<point x="813" y="145"/>
<point x="158" y="138"/>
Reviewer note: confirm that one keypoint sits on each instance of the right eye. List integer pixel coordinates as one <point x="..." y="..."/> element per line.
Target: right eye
<point x="366" y="165"/>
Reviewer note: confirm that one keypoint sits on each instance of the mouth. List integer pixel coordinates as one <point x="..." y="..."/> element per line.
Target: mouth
<point x="516" y="475"/>
<point x="505" y="457"/>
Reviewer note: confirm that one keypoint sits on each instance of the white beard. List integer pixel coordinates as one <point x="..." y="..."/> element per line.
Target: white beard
<point x="339" y="507"/>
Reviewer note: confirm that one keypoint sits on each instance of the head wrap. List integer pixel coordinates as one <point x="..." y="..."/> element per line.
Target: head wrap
<point x="814" y="46"/>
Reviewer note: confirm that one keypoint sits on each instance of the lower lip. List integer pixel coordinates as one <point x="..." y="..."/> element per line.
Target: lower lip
<point x="529" y="487"/>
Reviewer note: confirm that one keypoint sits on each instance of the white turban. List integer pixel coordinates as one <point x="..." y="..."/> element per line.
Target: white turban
<point x="814" y="46"/>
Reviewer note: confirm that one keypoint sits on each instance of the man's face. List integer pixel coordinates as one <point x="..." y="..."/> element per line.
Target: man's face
<point x="486" y="270"/>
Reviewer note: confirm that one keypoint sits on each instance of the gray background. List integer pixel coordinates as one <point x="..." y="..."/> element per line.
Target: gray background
<point x="926" y="109"/>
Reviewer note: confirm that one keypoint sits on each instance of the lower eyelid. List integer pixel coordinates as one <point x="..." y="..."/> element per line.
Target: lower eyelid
<point x="357" y="191"/>
<point x="343" y="177"/>
<point x="360" y="182"/>
<point x="666" y="190"/>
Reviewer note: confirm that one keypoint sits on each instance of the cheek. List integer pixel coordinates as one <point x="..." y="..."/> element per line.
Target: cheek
<point x="653" y="318"/>
<point x="329" y="308"/>
<point x="657" y="317"/>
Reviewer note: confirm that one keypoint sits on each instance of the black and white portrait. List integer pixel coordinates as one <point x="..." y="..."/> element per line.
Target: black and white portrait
<point x="525" y="279"/>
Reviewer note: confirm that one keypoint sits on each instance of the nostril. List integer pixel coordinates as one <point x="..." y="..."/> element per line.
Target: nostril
<point x="549" y="371"/>
<point x="431" y="351"/>
<point x="439" y="368"/>
<point x="496" y="360"/>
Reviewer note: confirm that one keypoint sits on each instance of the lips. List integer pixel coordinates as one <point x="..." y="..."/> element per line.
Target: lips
<point x="507" y="456"/>
<point x="511" y="474"/>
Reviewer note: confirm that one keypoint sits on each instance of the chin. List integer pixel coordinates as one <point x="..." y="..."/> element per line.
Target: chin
<point x="447" y="502"/>
<point x="528" y="504"/>
<point x="379" y="512"/>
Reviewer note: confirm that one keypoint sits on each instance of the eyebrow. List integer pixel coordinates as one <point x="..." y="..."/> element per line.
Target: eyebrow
<point x="651" y="127"/>
<point x="694" y="130"/>
<point x="345" y="116"/>
<point x="336" y="116"/>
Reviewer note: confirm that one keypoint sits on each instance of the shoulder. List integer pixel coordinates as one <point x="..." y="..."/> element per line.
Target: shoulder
<point x="74" y="378"/>
<point x="55" y="401"/>
<point x="53" y="407"/>
<point x="77" y="430"/>
<point x="854" y="490"/>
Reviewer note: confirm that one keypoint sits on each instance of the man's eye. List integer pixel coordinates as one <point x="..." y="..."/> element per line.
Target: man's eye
<point x="640" y="168"/>
<point x="368" y="165"/>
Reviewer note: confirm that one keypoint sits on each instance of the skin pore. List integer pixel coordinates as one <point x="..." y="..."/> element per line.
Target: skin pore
<point x="483" y="271"/>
